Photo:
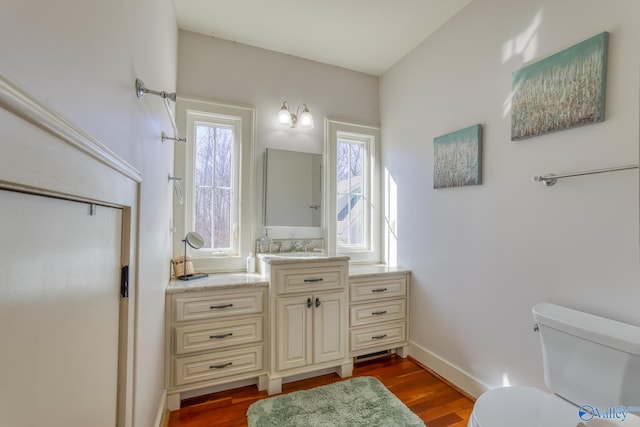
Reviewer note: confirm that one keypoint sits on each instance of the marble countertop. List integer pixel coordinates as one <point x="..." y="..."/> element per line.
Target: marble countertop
<point x="248" y="280"/>
<point x="218" y="281"/>
<point x="298" y="257"/>
<point x="364" y="270"/>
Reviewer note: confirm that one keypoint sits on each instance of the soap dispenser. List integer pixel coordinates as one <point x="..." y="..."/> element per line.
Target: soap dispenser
<point x="251" y="263"/>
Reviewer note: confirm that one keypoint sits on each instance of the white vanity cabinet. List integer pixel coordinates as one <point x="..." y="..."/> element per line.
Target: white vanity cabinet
<point x="378" y="313"/>
<point x="301" y="317"/>
<point x="310" y="330"/>
<point x="309" y="318"/>
<point x="215" y="335"/>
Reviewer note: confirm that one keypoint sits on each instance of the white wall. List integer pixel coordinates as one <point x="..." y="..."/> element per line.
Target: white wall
<point x="223" y="70"/>
<point x="82" y="58"/>
<point x="482" y="256"/>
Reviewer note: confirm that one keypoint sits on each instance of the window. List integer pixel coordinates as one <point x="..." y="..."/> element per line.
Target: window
<point x="216" y="181"/>
<point x="216" y="166"/>
<point x="351" y="191"/>
<point x="354" y="223"/>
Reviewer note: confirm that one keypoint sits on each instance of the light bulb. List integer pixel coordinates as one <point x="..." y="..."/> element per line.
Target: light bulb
<point x="306" y="119"/>
<point x="284" y="116"/>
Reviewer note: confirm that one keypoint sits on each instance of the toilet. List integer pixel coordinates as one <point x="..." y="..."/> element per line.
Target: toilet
<point x="591" y="364"/>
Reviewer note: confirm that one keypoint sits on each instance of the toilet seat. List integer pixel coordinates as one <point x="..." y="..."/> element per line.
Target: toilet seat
<point x="522" y="407"/>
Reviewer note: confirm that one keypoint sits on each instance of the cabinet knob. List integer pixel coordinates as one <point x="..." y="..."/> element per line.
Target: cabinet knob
<point x="318" y="302"/>
<point x="309" y="303"/>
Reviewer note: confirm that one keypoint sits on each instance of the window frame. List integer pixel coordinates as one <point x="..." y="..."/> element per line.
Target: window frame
<point x="336" y="130"/>
<point x="196" y="118"/>
<point x="365" y="190"/>
<point x="190" y="111"/>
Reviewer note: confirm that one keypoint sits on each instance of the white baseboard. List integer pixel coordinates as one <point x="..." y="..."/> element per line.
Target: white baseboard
<point x="446" y="370"/>
<point x="162" y="410"/>
<point x="218" y="388"/>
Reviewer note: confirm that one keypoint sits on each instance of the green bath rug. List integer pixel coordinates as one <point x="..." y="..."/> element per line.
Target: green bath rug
<point x="357" y="402"/>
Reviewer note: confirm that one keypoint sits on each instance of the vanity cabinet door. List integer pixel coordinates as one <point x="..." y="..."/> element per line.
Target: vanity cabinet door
<point x="294" y="329"/>
<point x="329" y="327"/>
<point x="311" y="329"/>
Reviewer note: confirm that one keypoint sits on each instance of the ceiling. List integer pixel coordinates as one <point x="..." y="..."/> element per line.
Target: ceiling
<point x="369" y="36"/>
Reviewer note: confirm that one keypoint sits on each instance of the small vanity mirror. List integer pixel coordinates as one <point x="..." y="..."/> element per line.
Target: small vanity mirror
<point x="184" y="265"/>
<point x="194" y="240"/>
<point x="292" y="188"/>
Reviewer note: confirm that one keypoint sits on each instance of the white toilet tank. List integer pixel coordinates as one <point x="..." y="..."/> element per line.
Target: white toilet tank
<point x="589" y="360"/>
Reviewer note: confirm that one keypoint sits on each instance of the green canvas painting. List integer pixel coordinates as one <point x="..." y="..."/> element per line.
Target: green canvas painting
<point x="457" y="158"/>
<point x="562" y="91"/>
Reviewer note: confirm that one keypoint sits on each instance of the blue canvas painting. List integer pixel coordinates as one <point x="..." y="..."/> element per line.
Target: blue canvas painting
<point x="562" y="91"/>
<point x="457" y="158"/>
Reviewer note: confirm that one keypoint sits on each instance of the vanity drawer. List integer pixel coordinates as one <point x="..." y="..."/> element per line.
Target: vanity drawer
<point x="366" y="314"/>
<point x="376" y="336"/>
<point x="310" y="278"/>
<point x="377" y="289"/>
<point x="214" y="336"/>
<point x="221" y="364"/>
<point x="218" y="305"/>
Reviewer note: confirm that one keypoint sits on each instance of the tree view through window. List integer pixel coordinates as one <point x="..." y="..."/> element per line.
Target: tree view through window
<point x="350" y="209"/>
<point x="214" y="185"/>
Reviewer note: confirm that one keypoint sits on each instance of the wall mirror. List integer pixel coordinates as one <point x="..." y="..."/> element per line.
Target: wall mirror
<point x="292" y="188"/>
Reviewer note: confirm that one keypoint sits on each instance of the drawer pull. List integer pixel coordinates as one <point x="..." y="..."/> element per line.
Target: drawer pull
<point x="217" y="307"/>
<point x="224" y="365"/>
<point x="379" y="337"/>
<point x="228" y="334"/>
<point x="313" y="280"/>
<point x="379" y="313"/>
<point x="379" y="290"/>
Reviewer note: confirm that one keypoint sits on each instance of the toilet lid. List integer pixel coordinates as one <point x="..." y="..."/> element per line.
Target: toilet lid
<point x="522" y="407"/>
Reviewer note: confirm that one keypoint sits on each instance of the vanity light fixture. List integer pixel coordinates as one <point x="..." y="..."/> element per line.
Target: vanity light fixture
<point x="286" y="117"/>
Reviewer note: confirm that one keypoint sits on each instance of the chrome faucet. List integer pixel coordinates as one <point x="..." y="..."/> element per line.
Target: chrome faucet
<point x="266" y="242"/>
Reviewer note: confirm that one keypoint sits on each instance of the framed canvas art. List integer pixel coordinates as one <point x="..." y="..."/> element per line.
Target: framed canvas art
<point x="562" y="91"/>
<point x="457" y="158"/>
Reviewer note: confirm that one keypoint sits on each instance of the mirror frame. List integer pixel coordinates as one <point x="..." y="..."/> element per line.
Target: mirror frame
<point x="320" y="199"/>
<point x="194" y="240"/>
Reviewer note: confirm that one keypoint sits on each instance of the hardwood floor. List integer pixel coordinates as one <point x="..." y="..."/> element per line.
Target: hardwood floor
<point x="438" y="404"/>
